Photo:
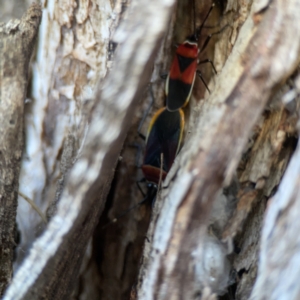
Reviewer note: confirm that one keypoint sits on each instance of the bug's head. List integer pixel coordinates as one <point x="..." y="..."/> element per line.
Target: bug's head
<point x="192" y="39"/>
<point x="191" y="44"/>
<point x="151" y="192"/>
<point x="152" y="187"/>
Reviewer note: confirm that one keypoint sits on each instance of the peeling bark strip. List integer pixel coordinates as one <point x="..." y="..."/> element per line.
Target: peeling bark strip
<point x="71" y="58"/>
<point x="17" y="39"/>
<point x="279" y="260"/>
<point x="51" y="269"/>
<point x="270" y="57"/>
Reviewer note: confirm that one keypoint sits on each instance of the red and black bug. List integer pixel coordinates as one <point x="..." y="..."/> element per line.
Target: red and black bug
<point x="163" y="141"/>
<point x="164" y="137"/>
<point x="181" y="78"/>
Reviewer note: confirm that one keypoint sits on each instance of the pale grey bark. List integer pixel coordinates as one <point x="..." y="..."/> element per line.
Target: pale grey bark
<point x="242" y="131"/>
<point x="72" y="56"/>
<point x="279" y="262"/>
<point x="13" y="9"/>
<point x="52" y="266"/>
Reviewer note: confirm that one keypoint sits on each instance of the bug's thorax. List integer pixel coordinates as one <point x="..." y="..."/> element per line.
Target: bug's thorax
<point x="188" y="49"/>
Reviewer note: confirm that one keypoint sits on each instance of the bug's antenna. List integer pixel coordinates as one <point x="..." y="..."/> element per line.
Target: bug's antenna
<point x="195" y="28"/>
<point x="198" y="32"/>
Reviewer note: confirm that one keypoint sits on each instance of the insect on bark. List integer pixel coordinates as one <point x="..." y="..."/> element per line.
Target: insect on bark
<point x="181" y="78"/>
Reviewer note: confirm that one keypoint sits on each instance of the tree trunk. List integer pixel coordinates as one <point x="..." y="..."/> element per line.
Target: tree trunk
<point x="16" y="44"/>
<point x="90" y="88"/>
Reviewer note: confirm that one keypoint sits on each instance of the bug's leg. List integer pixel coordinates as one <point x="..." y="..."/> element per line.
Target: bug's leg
<point x="139" y="186"/>
<point x="210" y="36"/>
<point x="208" y="61"/>
<point x="202" y="79"/>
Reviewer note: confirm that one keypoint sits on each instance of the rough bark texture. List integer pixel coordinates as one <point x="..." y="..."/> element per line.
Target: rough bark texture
<point x="117" y="247"/>
<point x="280" y="241"/>
<point x="78" y="210"/>
<point x="250" y="76"/>
<point x="72" y="57"/>
<point x="207" y="220"/>
<point x="13" y="9"/>
<point x="17" y="39"/>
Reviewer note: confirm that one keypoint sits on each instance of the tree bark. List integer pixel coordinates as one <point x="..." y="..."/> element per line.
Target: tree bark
<point x="51" y="273"/>
<point x="203" y="241"/>
<point x="279" y="244"/>
<point x="249" y="78"/>
<point x="17" y="40"/>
